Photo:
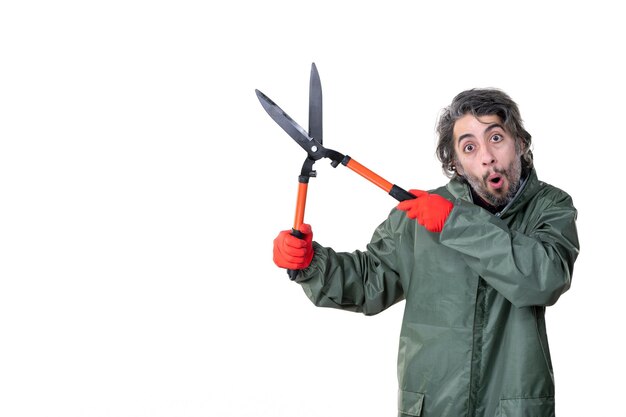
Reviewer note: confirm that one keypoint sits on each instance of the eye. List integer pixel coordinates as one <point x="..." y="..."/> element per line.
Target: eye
<point x="469" y="148"/>
<point x="497" y="138"/>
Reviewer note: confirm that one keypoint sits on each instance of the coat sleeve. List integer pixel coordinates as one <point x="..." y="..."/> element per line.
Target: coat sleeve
<point x="361" y="281"/>
<point x="530" y="268"/>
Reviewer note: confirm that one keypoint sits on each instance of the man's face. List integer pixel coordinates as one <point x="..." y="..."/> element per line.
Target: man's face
<point x="486" y="157"/>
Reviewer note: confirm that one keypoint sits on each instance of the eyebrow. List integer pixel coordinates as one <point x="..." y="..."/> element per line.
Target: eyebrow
<point x="488" y="129"/>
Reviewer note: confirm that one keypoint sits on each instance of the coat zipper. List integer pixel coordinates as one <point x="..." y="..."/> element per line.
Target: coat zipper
<point x="477" y="348"/>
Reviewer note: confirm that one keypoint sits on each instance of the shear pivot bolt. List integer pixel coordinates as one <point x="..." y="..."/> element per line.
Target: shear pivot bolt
<point x="314" y="148"/>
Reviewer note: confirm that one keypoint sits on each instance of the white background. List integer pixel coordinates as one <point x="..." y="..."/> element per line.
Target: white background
<point x="142" y="184"/>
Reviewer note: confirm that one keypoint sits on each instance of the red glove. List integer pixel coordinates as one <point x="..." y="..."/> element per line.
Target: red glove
<point x="430" y="210"/>
<point x="291" y="252"/>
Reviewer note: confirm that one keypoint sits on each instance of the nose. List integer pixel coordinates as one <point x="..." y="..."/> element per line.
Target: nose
<point x="487" y="157"/>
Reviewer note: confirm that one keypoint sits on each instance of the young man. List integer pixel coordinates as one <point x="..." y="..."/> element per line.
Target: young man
<point x="477" y="262"/>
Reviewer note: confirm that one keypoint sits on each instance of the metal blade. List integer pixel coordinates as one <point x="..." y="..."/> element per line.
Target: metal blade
<point x="315" y="105"/>
<point x="293" y="129"/>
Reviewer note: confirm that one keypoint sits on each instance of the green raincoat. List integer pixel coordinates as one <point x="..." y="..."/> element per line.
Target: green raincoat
<point x="473" y="340"/>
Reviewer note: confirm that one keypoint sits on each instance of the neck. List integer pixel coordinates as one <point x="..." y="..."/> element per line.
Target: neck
<point x="479" y="201"/>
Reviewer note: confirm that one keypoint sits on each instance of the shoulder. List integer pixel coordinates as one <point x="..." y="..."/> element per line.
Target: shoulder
<point x="549" y="195"/>
<point x="546" y="204"/>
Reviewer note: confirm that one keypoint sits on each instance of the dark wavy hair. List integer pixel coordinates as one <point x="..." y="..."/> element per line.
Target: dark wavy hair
<point x="480" y="102"/>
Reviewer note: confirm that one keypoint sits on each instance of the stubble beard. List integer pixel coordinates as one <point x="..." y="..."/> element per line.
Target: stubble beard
<point x="497" y="198"/>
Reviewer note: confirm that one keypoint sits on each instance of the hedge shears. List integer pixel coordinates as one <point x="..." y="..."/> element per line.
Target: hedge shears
<point x="311" y="142"/>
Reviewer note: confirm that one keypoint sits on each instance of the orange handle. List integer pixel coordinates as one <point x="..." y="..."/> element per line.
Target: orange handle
<point x="299" y="219"/>
<point x="300" y="205"/>
<point x="369" y="175"/>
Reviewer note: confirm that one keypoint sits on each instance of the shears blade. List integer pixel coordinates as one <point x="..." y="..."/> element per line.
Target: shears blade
<point x="312" y="146"/>
<point x="315" y="105"/>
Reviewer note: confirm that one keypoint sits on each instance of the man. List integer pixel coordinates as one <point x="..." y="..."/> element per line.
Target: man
<point x="477" y="262"/>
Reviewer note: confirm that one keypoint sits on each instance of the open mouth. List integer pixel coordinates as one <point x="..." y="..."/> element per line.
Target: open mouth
<point x="495" y="180"/>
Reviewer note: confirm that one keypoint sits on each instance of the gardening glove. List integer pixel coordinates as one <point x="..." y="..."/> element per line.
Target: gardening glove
<point x="430" y="210"/>
<point x="291" y="252"/>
